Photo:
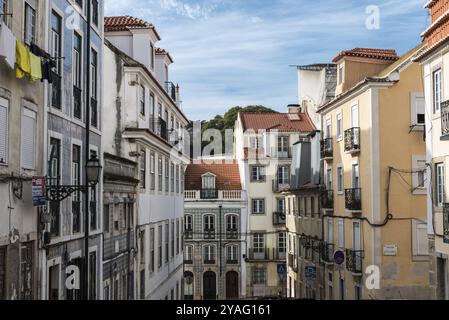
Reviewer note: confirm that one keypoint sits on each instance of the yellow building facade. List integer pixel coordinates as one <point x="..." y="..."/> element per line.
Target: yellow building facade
<point x="374" y="161"/>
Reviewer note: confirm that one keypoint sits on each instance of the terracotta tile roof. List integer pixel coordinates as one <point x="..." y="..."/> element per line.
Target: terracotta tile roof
<point x="124" y="23"/>
<point x="380" y="54"/>
<point x="163" y="52"/>
<point x="282" y="122"/>
<point x="227" y="176"/>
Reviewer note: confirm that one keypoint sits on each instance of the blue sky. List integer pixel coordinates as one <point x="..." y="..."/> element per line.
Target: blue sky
<point x="238" y="52"/>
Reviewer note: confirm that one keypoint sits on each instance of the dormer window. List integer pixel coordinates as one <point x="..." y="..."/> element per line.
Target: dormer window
<point x="208" y="181"/>
<point x="341" y="73"/>
<point x="209" y="190"/>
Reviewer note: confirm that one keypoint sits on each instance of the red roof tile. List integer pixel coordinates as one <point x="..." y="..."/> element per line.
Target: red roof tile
<point x="282" y="122"/>
<point x="124" y="23"/>
<point x="380" y="54"/>
<point x="227" y="176"/>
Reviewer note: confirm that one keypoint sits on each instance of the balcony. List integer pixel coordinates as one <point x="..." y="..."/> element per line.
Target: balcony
<point x="56" y="91"/>
<point x="258" y="255"/>
<point x="208" y="261"/>
<point x="188" y="234"/>
<point x="232" y="234"/>
<point x="232" y="261"/>
<point x="278" y="153"/>
<point x="77" y="102"/>
<point x="224" y="195"/>
<point x="280" y="186"/>
<point x="171" y="90"/>
<point x="279" y="219"/>
<point x="445" y="120"/>
<point x="327" y="149"/>
<point x="209" y="234"/>
<point x="352" y="140"/>
<point x="353" y="199"/>
<point x="446" y="222"/>
<point x="159" y="127"/>
<point x="354" y="259"/>
<point x="209" y="194"/>
<point x="188" y="261"/>
<point x="327" y="253"/>
<point x="327" y="199"/>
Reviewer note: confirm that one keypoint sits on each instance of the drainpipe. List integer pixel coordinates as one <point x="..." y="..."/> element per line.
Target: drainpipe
<point x="87" y="156"/>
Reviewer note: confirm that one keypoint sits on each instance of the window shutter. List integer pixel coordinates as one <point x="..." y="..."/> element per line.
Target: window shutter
<point x="3" y="131"/>
<point x="421" y="245"/>
<point x="28" y="139"/>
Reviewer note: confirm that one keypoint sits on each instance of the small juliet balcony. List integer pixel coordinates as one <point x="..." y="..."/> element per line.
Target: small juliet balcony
<point x="209" y="234"/>
<point x="327" y="199"/>
<point x="354" y="261"/>
<point x="352" y="140"/>
<point x="281" y="186"/>
<point x="209" y="194"/>
<point x="327" y="253"/>
<point x="327" y="149"/>
<point x="445" y="120"/>
<point x="279" y="219"/>
<point x="353" y="199"/>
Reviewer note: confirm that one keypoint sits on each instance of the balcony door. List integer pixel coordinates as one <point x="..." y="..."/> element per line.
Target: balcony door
<point x="232" y="285"/>
<point x="209" y="286"/>
<point x="355" y="123"/>
<point x="283" y="143"/>
<point x="357" y="243"/>
<point x="355" y="176"/>
<point x="283" y="176"/>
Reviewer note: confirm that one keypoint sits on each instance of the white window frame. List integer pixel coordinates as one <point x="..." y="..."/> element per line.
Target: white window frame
<point x="4" y="103"/>
<point x="31" y="112"/>
<point x="340" y="179"/>
<point x="339" y="123"/>
<point x="30" y="27"/>
<point x="341" y="73"/>
<point x="341" y="234"/>
<point x="257" y="205"/>
<point x="416" y="226"/>
<point x="437" y="93"/>
<point x="419" y="169"/>
<point x="414" y="97"/>
<point x="439" y="184"/>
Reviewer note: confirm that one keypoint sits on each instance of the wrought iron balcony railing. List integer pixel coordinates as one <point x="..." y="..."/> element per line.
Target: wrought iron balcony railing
<point x="159" y="127"/>
<point x="353" y="199"/>
<point x="279" y="218"/>
<point x="445" y="120"/>
<point x="209" y="194"/>
<point x="327" y="148"/>
<point x="188" y="261"/>
<point x="232" y="234"/>
<point x="352" y="140"/>
<point x="209" y="261"/>
<point x="446" y="222"/>
<point x="209" y="234"/>
<point x="327" y="253"/>
<point x="280" y="186"/>
<point x="232" y="260"/>
<point x="327" y="199"/>
<point x="77" y="102"/>
<point x="188" y="234"/>
<point x="354" y="260"/>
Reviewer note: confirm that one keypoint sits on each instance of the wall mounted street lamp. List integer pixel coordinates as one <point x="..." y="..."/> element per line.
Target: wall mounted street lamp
<point x="58" y="193"/>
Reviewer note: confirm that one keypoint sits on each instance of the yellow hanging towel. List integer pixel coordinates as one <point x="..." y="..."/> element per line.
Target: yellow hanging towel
<point x="36" y="67"/>
<point x="23" y="65"/>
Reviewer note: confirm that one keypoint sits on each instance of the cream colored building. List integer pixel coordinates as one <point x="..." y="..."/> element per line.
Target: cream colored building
<point x="434" y="58"/>
<point x="263" y="145"/>
<point x="374" y="201"/>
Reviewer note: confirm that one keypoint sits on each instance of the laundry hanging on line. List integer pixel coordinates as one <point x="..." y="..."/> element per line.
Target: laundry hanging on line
<point x="7" y="45"/>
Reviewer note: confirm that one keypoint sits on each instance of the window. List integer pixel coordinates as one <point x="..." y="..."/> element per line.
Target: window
<point x="328" y="128"/>
<point x="232" y="256"/>
<point x="142" y="100"/>
<point x="159" y="173"/>
<point x="418" y="109"/>
<point x="209" y="227"/>
<point x="152" y="111"/>
<point x="419" y="166"/>
<point x="439" y="187"/>
<point x="437" y="91"/>
<point x="94" y="88"/>
<point x="329" y="179"/>
<point x="208" y="181"/>
<point x="93" y="276"/>
<point x="342" y="289"/>
<point x="231" y="225"/>
<point x="340" y="183"/>
<point x="209" y="254"/>
<point x="54" y="168"/>
<point x="106" y="218"/>
<point x="259" y="276"/>
<point x="28" y="139"/>
<point x="167" y="176"/>
<point x="330" y="231"/>
<point x="93" y="202"/>
<point x="178" y="243"/>
<point x="142" y="246"/>
<point x="177" y="178"/>
<point x="77" y="71"/>
<point x="283" y="146"/>
<point x="30" y="24"/>
<point x="167" y="241"/>
<point x="259" y="243"/>
<point x="172" y="239"/>
<point x="172" y="173"/>
<point x="339" y="127"/>
<point x="95" y="12"/>
<point x="79" y="3"/>
<point x="283" y="175"/>
<point x="188" y="255"/>
<point x="159" y="234"/>
<point x="56" y="51"/>
<point x="341" y="234"/>
<point x="341" y="73"/>
<point x="420" y="240"/>
<point x="355" y="176"/>
<point x="282" y="245"/>
<point x="3" y="10"/>
<point x="152" y="171"/>
<point x="4" y="131"/>
<point x="76" y="181"/>
<point x="257" y="174"/>
<point x="152" y="253"/>
<point x="188" y="226"/>
<point x="258" y="206"/>
<point x="143" y="168"/>
<point x="254" y="142"/>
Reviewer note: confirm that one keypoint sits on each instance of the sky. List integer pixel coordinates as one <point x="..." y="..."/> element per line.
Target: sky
<point x="240" y="52"/>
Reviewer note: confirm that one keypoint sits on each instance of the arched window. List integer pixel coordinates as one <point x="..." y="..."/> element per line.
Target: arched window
<point x="188" y="285"/>
<point x="232" y="254"/>
<point x="188" y="226"/>
<point x="188" y="254"/>
<point x="209" y="254"/>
